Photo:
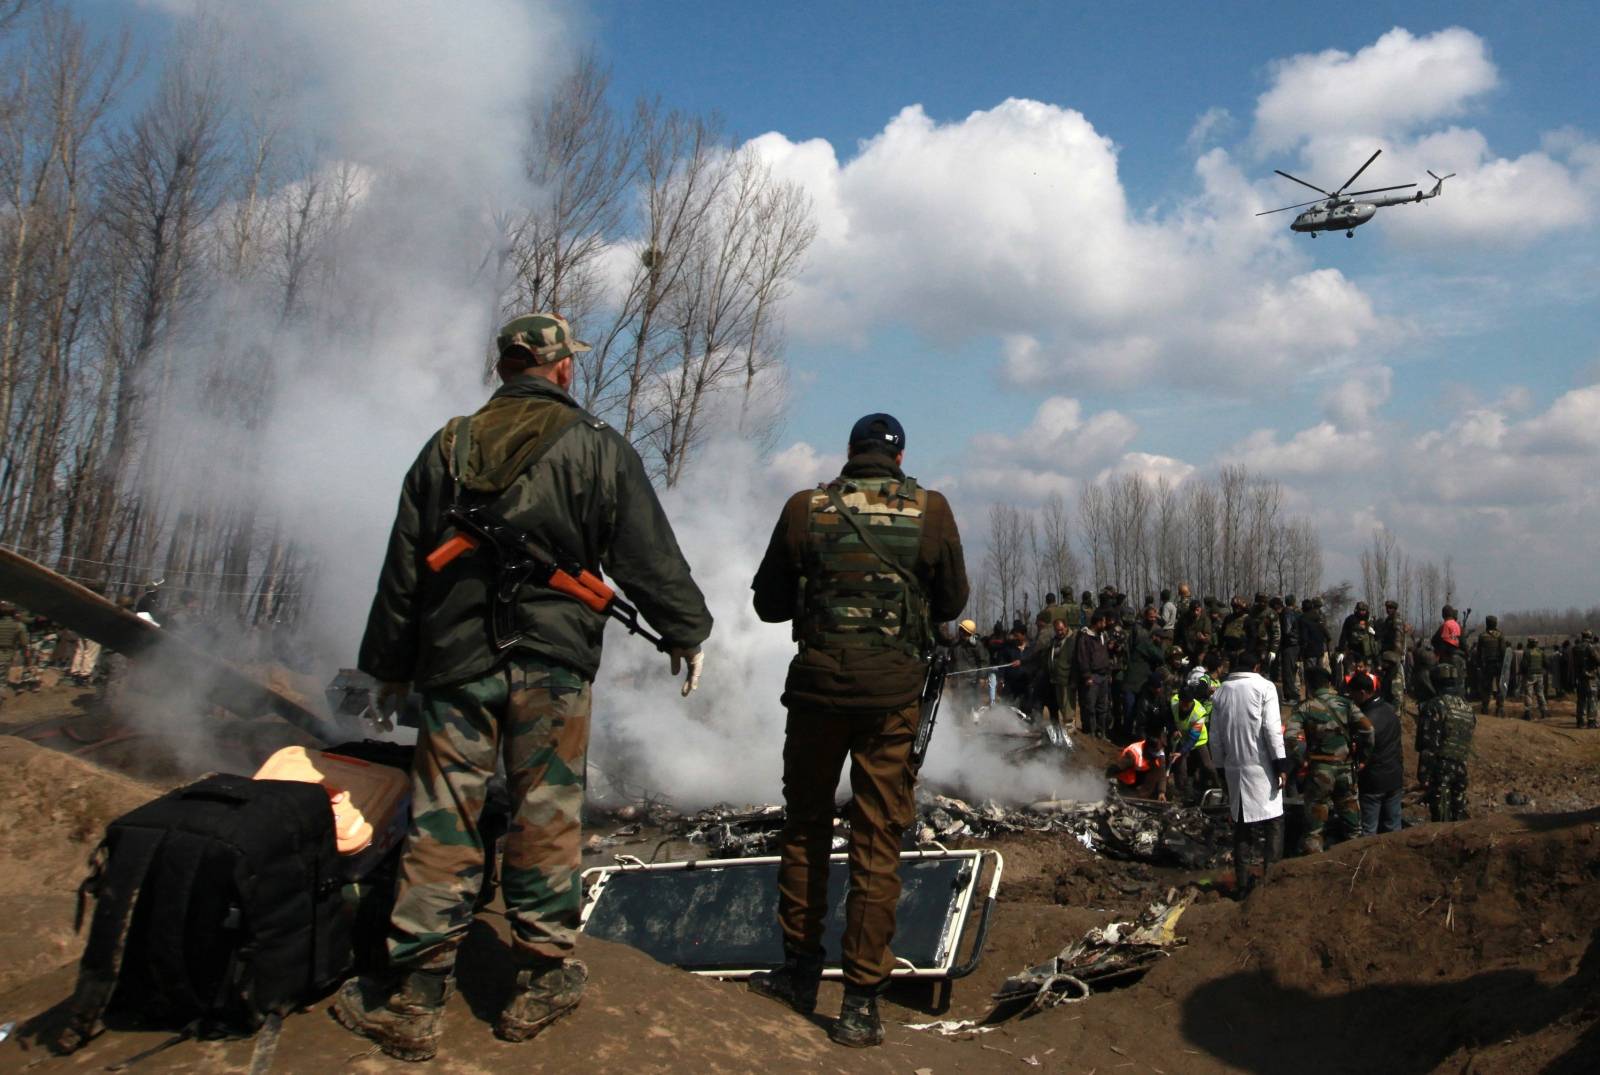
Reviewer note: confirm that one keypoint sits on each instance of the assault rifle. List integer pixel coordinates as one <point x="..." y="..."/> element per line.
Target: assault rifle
<point x="521" y="561"/>
<point x="928" y="706"/>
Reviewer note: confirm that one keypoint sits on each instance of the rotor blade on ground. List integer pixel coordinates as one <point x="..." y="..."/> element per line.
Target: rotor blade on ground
<point x="1359" y="170"/>
<point x="1378" y="190"/>
<point x="1313" y="201"/>
<point x="1302" y="182"/>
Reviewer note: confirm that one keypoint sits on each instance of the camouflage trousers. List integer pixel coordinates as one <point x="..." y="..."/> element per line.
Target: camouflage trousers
<point x="1445" y="789"/>
<point x="1533" y="688"/>
<point x="534" y="715"/>
<point x="1588" y="689"/>
<point x="1330" y="791"/>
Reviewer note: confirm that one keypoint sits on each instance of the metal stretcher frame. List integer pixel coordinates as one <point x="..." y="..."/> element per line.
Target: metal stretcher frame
<point x="970" y="890"/>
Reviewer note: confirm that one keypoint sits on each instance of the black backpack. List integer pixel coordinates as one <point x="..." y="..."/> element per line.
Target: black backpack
<point x="217" y="907"/>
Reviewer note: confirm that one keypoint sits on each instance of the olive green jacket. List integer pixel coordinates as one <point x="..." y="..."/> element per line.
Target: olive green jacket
<point x="584" y="494"/>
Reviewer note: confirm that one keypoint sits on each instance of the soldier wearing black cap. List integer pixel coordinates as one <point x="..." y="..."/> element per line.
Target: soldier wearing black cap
<point x="864" y="566"/>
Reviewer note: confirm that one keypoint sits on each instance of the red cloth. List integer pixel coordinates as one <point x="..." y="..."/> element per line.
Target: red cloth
<point x="1450" y="633"/>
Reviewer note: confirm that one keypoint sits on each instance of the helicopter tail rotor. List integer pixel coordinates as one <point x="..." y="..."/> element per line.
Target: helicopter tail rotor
<point x="1438" y="183"/>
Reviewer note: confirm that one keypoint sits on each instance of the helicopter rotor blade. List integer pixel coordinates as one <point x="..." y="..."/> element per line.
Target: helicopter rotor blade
<point x="1302" y="205"/>
<point x="1302" y="182"/>
<point x="1378" y="190"/>
<point x="1359" y="170"/>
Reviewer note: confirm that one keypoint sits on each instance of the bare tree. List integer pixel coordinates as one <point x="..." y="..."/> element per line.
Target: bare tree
<point x="1006" y="560"/>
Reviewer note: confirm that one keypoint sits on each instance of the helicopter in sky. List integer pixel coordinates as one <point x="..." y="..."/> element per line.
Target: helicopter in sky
<point x="1339" y="211"/>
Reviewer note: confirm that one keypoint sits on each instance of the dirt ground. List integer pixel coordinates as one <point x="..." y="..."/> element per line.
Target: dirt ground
<point x="1443" y="948"/>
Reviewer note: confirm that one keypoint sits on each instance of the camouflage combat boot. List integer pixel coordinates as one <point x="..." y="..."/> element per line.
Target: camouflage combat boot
<point x="794" y="983"/>
<point x="404" y="1020"/>
<point x="543" y="995"/>
<point x="858" y="1025"/>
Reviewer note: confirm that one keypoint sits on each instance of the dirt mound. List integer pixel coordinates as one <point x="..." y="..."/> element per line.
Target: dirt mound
<point x="52" y="814"/>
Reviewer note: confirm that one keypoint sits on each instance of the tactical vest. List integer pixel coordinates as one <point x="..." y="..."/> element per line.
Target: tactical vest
<point x="1533" y="663"/>
<point x="1447" y="678"/>
<point x="1492" y="645"/>
<point x="1452" y="728"/>
<point x="860" y="590"/>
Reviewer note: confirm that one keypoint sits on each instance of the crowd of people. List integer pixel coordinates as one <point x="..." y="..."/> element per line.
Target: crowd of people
<point x="1190" y="689"/>
<point x="32" y="645"/>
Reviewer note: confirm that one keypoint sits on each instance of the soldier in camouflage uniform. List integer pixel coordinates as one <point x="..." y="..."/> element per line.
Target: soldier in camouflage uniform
<point x="1445" y="723"/>
<point x="1586" y="658"/>
<point x="534" y="457"/>
<point x="1391" y="654"/>
<point x="1337" y="736"/>
<point x="862" y="566"/>
<point x="14" y="645"/>
<point x="1533" y="679"/>
<point x="1489" y="654"/>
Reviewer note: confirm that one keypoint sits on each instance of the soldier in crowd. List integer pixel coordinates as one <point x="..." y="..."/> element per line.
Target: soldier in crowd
<point x="1062" y="649"/>
<point x="1445" y="723"/>
<point x="1314" y="637"/>
<point x="577" y="487"/>
<point x="1391" y="653"/>
<point x="1289" y="672"/>
<point x="1338" y="736"/>
<point x="1586" y="659"/>
<point x="16" y="646"/>
<point x="1357" y="640"/>
<point x="863" y="566"/>
<point x="1533" y="659"/>
<point x="1488" y="658"/>
<point x="1236" y="628"/>
<point x="1195" y="633"/>
<point x="1265" y="631"/>
<point x="1144" y="656"/>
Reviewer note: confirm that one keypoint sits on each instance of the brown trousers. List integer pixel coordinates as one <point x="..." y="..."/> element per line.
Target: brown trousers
<point x="882" y="804"/>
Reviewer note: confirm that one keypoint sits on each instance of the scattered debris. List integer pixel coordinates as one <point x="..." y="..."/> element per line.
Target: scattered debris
<point x="953" y="1028"/>
<point x="1133" y="830"/>
<point x="1116" y="953"/>
<point x="1516" y="798"/>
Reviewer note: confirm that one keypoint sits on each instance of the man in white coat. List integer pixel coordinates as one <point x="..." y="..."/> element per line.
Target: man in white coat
<point x="1247" y="746"/>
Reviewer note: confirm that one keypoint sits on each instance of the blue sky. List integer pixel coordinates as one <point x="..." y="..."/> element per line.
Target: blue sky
<point x="1074" y="284"/>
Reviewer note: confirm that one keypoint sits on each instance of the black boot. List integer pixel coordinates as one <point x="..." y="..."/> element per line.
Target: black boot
<point x="544" y="994"/>
<point x="858" y="1025"/>
<point x="794" y="983"/>
<point x="406" y="1020"/>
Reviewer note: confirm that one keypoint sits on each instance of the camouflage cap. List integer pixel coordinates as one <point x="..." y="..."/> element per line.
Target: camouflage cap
<point x="547" y="337"/>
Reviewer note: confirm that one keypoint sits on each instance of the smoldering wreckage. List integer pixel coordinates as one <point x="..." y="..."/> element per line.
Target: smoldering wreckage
<point x="237" y="900"/>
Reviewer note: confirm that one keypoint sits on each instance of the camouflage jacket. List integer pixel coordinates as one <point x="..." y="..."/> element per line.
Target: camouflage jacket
<point x="587" y="496"/>
<point x="13" y="639"/>
<point x="859" y="680"/>
<point x="1336" y="731"/>
<point x="1444" y="728"/>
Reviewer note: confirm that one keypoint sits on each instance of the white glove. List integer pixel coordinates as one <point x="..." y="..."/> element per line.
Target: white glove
<point x="695" y="660"/>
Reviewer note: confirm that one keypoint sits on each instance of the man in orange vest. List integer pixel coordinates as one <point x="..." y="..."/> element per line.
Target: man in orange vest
<point x="1139" y="767"/>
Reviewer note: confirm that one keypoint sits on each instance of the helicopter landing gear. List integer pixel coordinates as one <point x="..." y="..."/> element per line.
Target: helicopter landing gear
<point x="1350" y="235"/>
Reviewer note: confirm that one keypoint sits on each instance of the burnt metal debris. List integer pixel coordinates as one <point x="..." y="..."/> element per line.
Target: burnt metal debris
<point x="1131" y="830"/>
<point x="1110" y="955"/>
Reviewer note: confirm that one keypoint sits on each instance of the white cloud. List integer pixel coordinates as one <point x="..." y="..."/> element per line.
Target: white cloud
<point x="800" y="465"/>
<point x="1060" y="438"/>
<point x="1013" y="223"/>
<point x="1353" y="402"/>
<point x="1397" y="84"/>
<point x="1318" y="451"/>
